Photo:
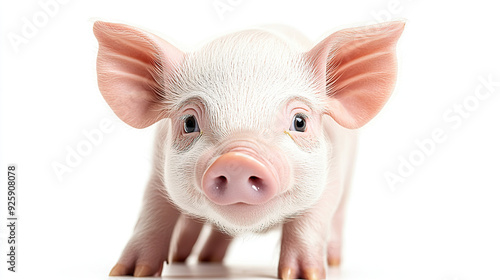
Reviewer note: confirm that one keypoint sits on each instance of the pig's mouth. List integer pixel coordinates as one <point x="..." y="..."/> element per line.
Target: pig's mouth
<point x="246" y="217"/>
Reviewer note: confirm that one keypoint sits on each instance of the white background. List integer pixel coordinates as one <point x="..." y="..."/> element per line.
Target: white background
<point x="442" y="222"/>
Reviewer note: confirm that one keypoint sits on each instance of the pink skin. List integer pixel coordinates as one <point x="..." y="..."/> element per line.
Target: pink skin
<point x="354" y="70"/>
<point x="237" y="177"/>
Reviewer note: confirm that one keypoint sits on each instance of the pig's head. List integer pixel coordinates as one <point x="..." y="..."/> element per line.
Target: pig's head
<point x="245" y="146"/>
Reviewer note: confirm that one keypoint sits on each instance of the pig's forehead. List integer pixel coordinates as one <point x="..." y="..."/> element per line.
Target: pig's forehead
<point x="247" y="69"/>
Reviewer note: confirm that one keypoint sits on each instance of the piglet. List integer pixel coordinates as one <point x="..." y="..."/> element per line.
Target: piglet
<point x="254" y="131"/>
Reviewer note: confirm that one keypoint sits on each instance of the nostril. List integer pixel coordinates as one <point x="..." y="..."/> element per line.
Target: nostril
<point x="220" y="183"/>
<point x="256" y="183"/>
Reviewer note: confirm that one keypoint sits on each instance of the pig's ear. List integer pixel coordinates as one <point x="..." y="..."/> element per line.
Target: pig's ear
<point x="357" y="68"/>
<point x="133" y="69"/>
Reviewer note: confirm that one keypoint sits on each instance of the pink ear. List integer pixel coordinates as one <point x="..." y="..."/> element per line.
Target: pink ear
<point x="132" y="69"/>
<point x="357" y="69"/>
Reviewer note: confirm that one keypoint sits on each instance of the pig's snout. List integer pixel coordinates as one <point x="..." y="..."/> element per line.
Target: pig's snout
<point x="236" y="177"/>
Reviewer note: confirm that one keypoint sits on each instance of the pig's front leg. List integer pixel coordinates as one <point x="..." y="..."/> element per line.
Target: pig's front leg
<point x="149" y="246"/>
<point x="186" y="234"/>
<point x="334" y="249"/>
<point x="304" y="241"/>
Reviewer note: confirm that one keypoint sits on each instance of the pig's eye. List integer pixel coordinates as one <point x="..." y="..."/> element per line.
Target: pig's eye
<point x="191" y="125"/>
<point x="299" y="123"/>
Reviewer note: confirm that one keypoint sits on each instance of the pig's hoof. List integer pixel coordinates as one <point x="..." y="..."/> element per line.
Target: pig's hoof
<point x="303" y="264"/>
<point x="119" y="270"/>
<point x="288" y="273"/>
<point x="334" y="252"/>
<point x="137" y="271"/>
<point x="313" y="274"/>
<point x="140" y="261"/>
<point x="334" y="261"/>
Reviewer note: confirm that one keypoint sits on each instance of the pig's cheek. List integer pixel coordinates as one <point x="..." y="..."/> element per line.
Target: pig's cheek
<point x="183" y="175"/>
<point x="309" y="173"/>
<point x="179" y="175"/>
<point x="185" y="151"/>
<point x="306" y="141"/>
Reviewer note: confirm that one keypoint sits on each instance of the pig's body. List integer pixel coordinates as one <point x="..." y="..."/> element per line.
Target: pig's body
<point x="253" y="131"/>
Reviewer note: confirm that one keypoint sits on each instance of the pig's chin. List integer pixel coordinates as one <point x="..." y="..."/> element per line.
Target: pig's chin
<point x="241" y="217"/>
